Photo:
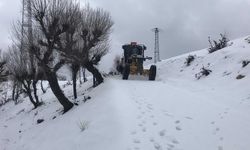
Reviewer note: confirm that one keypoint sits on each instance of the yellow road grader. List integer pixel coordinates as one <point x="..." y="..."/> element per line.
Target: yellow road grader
<point x="132" y="62"/>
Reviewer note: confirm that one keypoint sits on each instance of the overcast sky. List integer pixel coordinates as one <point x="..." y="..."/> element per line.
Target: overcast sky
<point x="185" y="24"/>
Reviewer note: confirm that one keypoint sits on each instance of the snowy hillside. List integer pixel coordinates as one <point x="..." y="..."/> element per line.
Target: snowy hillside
<point x="175" y="112"/>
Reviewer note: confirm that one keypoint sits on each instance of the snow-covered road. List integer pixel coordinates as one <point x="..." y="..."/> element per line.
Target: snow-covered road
<point x="169" y="115"/>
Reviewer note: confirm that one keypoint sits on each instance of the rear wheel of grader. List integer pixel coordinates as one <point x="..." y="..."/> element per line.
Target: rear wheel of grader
<point x="126" y="72"/>
<point x="152" y="73"/>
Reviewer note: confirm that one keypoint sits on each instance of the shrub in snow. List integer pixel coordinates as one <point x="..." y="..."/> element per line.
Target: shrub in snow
<point x="4" y="94"/>
<point x="240" y="76"/>
<point x="83" y="125"/>
<point x="217" y="45"/>
<point x="248" y="39"/>
<point x="245" y="63"/>
<point x="3" y="71"/>
<point x="203" y="72"/>
<point x="39" y="121"/>
<point x="189" y="59"/>
<point x="86" y="98"/>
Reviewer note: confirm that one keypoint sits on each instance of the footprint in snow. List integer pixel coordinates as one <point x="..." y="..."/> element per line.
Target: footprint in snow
<point x="133" y="132"/>
<point x="136" y="141"/>
<point x="220" y="148"/>
<point x="167" y="114"/>
<point x="155" y="123"/>
<point x="157" y="146"/>
<point x="162" y="133"/>
<point x="170" y="146"/>
<point x="175" y="141"/>
<point x="144" y="129"/>
<point x="150" y="107"/>
<point x="140" y="125"/>
<point x="136" y="148"/>
<point x="189" y="118"/>
<point x="178" y="128"/>
<point x="151" y="140"/>
<point x="216" y="130"/>
<point x="177" y="121"/>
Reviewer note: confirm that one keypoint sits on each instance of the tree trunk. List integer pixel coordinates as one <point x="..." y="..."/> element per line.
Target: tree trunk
<point x="28" y="92"/>
<point x="80" y="77"/>
<point x="35" y="91"/>
<point x="54" y="85"/>
<point x="96" y="74"/>
<point x="75" y="68"/>
<point x="84" y="75"/>
<point x="14" y="93"/>
<point x="44" y="91"/>
<point x="32" y="100"/>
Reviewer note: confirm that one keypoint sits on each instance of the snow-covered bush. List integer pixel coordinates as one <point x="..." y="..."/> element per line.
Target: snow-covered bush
<point x="245" y="63"/>
<point x="248" y="39"/>
<point x="189" y="59"/>
<point x="203" y="72"/>
<point x="217" y="45"/>
<point x="240" y="76"/>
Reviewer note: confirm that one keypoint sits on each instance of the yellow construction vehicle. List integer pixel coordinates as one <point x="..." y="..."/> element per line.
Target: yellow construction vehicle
<point x="132" y="62"/>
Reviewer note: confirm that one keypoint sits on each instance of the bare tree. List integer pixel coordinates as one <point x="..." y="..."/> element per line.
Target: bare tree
<point x="23" y="73"/>
<point x="95" y="27"/>
<point x="19" y="67"/>
<point x="52" y="25"/>
<point x="95" y="30"/>
<point x="86" y="40"/>
<point x="79" y="36"/>
<point x="69" y="43"/>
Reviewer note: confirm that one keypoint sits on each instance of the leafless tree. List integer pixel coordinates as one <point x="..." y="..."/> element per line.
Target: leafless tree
<point x="23" y="72"/>
<point x="95" y="28"/>
<point x="79" y="36"/>
<point x="69" y="42"/>
<point x="19" y="67"/>
<point x="86" y="40"/>
<point x="49" y="18"/>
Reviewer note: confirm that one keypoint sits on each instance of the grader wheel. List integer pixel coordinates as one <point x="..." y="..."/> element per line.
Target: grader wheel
<point x="152" y="73"/>
<point x="126" y="72"/>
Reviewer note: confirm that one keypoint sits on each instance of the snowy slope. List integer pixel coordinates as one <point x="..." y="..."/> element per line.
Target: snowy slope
<point x="175" y="112"/>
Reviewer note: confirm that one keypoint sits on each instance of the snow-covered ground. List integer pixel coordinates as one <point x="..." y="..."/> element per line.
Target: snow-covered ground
<point x="175" y="112"/>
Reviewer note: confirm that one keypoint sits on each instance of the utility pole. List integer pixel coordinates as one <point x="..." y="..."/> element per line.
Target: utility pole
<point x="156" y="49"/>
<point x="27" y="30"/>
